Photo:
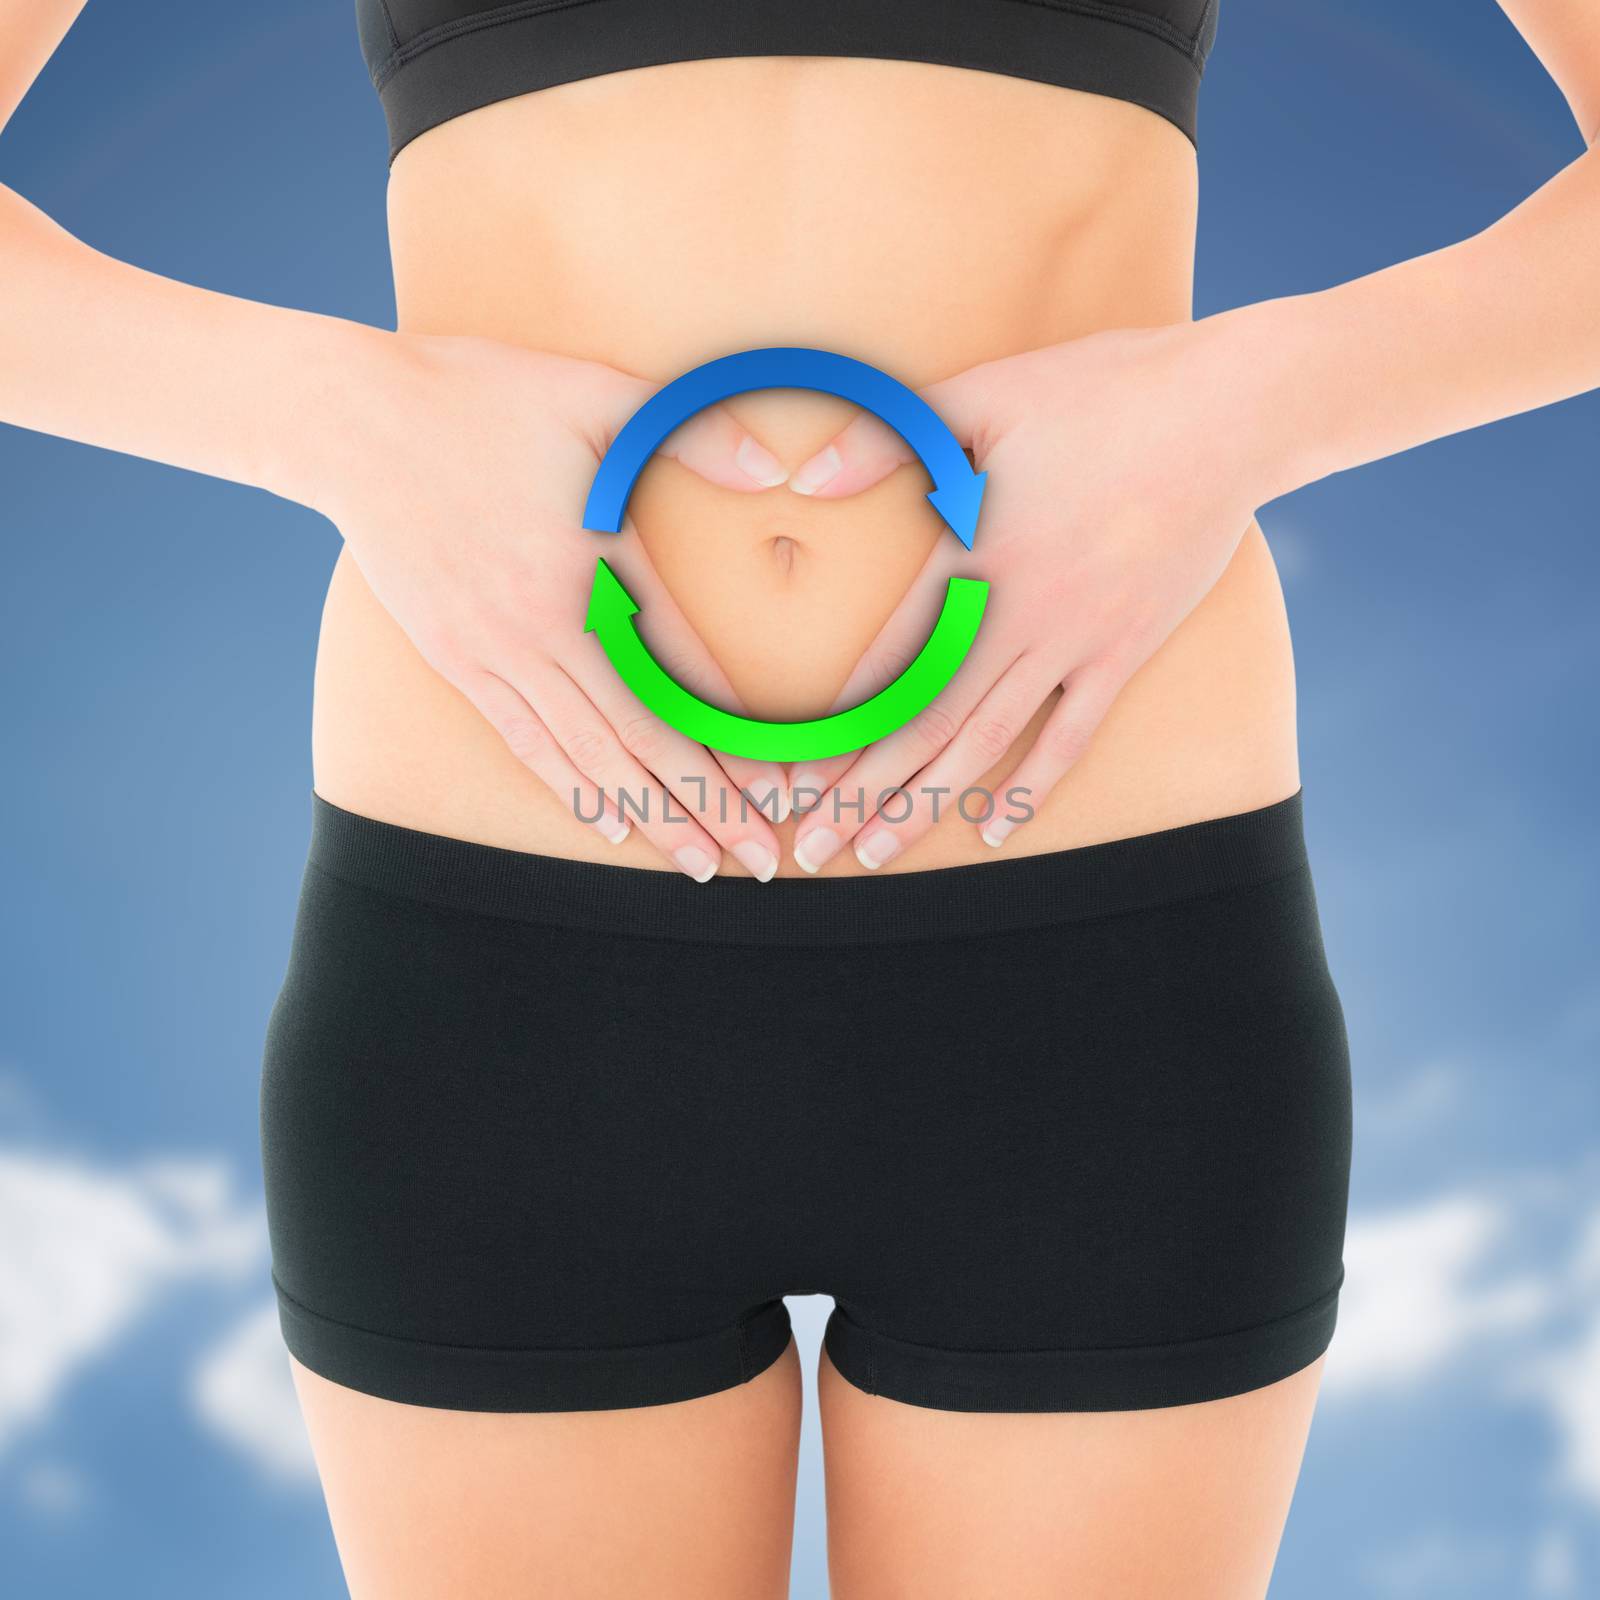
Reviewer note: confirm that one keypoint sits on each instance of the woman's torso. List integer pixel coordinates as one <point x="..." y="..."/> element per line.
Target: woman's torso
<point x="920" y="217"/>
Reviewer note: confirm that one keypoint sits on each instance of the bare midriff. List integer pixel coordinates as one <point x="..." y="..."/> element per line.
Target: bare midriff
<point x="923" y="218"/>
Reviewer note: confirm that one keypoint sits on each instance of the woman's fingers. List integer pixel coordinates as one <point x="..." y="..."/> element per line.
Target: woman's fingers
<point x="734" y="802"/>
<point x="682" y="655"/>
<point x="966" y="405"/>
<point x="688" y="771"/>
<point x="892" y="650"/>
<point x="868" y="450"/>
<point x="599" y="400"/>
<point x="863" y="454"/>
<point x="591" y="744"/>
<point x="720" y="449"/>
<point x="531" y="742"/>
<point x="949" y="783"/>
<point x="883" y="770"/>
<point x="1066" y="734"/>
<point x="715" y="445"/>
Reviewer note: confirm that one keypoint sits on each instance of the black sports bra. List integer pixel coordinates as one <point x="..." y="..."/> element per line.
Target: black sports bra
<point x="431" y="60"/>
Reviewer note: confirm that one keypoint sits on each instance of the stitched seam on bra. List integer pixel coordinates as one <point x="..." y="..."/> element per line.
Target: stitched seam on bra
<point x="446" y="31"/>
<point x="1108" y="11"/>
<point x="388" y="22"/>
<point x="675" y="940"/>
<point x="1102" y="10"/>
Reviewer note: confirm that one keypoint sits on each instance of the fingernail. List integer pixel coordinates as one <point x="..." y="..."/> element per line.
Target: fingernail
<point x="770" y="799"/>
<point x="817" y="849"/>
<point x="877" y="848"/>
<point x="996" y="829"/>
<point x="804" y="795"/>
<point x="818" y="472"/>
<point x="612" y="828"/>
<point x="757" y="859"/>
<point x="757" y="462"/>
<point x="695" y="862"/>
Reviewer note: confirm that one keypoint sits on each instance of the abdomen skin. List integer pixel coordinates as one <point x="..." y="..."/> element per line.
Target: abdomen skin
<point x="918" y="217"/>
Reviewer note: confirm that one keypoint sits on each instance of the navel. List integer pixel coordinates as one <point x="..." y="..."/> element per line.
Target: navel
<point x="783" y="551"/>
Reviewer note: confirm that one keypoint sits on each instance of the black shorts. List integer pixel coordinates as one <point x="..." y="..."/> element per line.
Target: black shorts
<point x="1063" y="1132"/>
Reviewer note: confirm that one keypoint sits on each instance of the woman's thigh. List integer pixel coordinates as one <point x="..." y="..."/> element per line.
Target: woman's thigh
<point x="1127" y="1505"/>
<point x="693" y="1499"/>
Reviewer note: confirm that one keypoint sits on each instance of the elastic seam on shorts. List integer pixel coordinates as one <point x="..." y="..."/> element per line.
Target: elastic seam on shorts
<point x="622" y="1351"/>
<point x="669" y="941"/>
<point x="1316" y="1303"/>
<point x="1136" y="873"/>
<point x="531" y="1378"/>
<point x="1087" y="1378"/>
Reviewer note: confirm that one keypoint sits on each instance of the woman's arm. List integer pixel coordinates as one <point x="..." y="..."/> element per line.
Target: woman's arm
<point x="456" y="470"/>
<point x="1565" y="36"/>
<point x="99" y="351"/>
<point x="1125" y="467"/>
<point x="1501" y="323"/>
<point x="96" y="350"/>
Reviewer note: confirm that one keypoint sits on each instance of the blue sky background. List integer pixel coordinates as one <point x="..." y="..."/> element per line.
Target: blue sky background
<point x="156" y="645"/>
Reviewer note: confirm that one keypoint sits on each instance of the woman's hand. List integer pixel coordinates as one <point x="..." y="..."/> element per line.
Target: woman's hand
<point x="462" y="505"/>
<point x="1122" y="475"/>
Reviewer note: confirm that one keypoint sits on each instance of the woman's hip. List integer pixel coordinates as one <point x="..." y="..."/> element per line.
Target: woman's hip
<point x="1206" y="728"/>
<point x="1082" y="1101"/>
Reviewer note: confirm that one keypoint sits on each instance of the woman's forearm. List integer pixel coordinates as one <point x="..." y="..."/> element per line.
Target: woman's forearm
<point x="96" y="350"/>
<point x="1500" y="323"/>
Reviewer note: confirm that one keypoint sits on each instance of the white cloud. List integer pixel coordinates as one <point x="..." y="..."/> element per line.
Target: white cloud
<point x="52" y="1490"/>
<point x="1555" y="1564"/>
<point x="1584" y="1270"/>
<point x="1417" y="1103"/>
<point x="1446" y="1560"/>
<point x="1566" y="1381"/>
<point x="85" y="1250"/>
<point x="1419" y="1289"/>
<point x="1440" y="1561"/>
<point x="243" y="1392"/>
<point x="1430" y="1284"/>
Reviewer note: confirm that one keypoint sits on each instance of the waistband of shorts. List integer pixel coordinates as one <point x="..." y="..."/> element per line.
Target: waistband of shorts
<point x="1002" y="896"/>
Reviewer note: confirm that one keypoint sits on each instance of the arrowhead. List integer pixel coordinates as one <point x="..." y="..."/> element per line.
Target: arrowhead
<point x="958" y="501"/>
<point x="609" y="602"/>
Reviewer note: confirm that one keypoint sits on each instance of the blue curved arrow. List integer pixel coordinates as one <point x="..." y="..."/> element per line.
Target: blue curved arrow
<point x="957" y="490"/>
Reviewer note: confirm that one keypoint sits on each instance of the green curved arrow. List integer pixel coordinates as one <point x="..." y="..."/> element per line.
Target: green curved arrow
<point x="610" y="618"/>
